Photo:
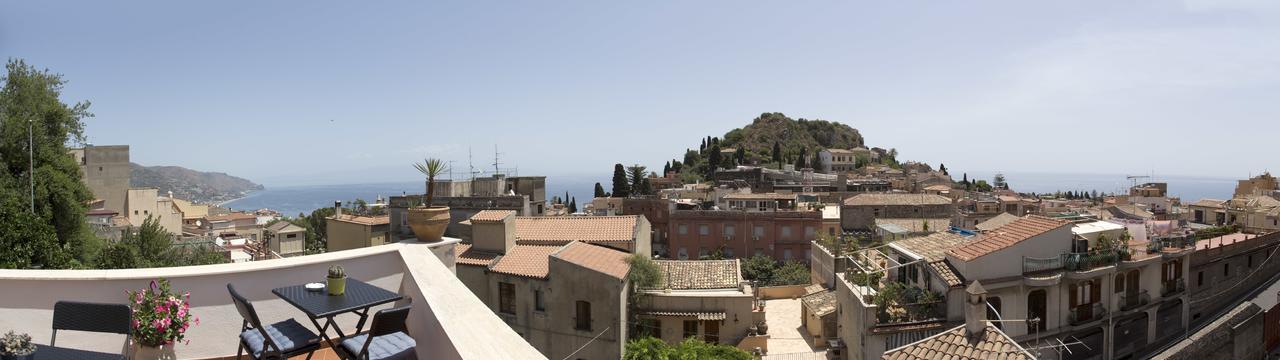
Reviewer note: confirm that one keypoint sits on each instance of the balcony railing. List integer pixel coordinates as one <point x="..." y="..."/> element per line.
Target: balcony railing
<point x="1035" y="265"/>
<point x="1086" y="313"/>
<point x="1132" y="301"/>
<point x="1090" y="260"/>
<point x="1173" y="287"/>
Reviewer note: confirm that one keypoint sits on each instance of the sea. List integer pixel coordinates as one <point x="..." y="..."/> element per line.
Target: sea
<point x="294" y="200"/>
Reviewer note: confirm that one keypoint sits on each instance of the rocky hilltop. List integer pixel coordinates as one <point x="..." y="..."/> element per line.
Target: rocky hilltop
<point x="197" y="186"/>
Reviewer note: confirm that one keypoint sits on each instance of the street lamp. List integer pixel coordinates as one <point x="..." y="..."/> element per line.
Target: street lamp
<point x="31" y="172"/>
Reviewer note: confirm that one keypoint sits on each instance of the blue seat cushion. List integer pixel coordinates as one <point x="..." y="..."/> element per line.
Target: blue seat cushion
<point x="288" y="335"/>
<point x="396" y="345"/>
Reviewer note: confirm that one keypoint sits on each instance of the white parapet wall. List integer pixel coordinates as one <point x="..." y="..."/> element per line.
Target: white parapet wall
<point x="447" y="321"/>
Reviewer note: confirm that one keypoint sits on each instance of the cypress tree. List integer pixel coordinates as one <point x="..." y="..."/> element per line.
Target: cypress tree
<point x="620" y="181"/>
<point x="600" y="191"/>
<point x="573" y="205"/>
<point x="714" y="160"/>
<point x="777" y="153"/>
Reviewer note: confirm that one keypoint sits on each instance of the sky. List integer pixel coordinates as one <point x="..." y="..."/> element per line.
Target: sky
<point x="332" y="92"/>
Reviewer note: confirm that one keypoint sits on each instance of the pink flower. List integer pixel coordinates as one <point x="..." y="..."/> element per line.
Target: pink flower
<point x="138" y="297"/>
<point x="160" y="326"/>
<point x="182" y="312"/>
<point x="197" y="321"/>
<point x="136" y="323"/>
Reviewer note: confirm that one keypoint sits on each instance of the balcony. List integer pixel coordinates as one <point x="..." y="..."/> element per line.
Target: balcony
<point x="1173" y="287"/>
<point x="1086" y="313"/>
<point x="1083" y="262"/>
<point x="1132" y="301"/>
<point x="446" y="319"/>
<point x="1031" y="265"/>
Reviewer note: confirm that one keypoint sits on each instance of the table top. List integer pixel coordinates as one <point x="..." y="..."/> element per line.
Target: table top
<point x="58" y="353"/>
<point x="317" y="304"/>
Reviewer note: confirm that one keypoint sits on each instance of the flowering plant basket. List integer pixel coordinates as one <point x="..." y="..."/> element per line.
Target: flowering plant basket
<point x="159" y="316"/>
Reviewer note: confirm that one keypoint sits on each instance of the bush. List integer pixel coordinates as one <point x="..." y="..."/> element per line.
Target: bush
<point x="654" y="349"/>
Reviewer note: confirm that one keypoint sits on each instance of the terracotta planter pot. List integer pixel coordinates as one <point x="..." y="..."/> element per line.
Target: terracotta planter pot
<point x="429" y="223"/>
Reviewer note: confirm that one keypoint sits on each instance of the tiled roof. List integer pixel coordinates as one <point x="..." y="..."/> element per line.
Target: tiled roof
<point x="820" y="304"/>
<point x="562" y="229"/>
<point x="101" y="212"/>
<point x="686" y="314"/>
<point x="948" y="274"/>
<point x="699" y="274"/>
<point x="932" y="247"/>
<point x="760" y="196"/>
<point x="958" y="344"/>
<point x="491" y="215"/>
<point x="232" y="217"/>
<point x="839" y="151"/>
<point x="897" y="199"/>
<point x="602" y="259"/>
<point x="1133" y="210"/>
<point x="997" y="221"/>
<point x="469" y="256"/>
<point x="525" y="260"/>
<point x="362" y="220"/>
<point x="918" y="225"/>
<point x="937" y="188"/>
<point x="1005" y="236"/>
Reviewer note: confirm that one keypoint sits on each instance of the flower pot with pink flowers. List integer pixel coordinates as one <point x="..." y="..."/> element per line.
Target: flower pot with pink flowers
<point x="160" y="320"/>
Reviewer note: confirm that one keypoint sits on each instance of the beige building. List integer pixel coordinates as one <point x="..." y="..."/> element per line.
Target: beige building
<point x="861" y="211"/>
<point x="557" y="292"/>
<point x="106" y="171"/>
<point x="346" y="232"/>
<point x="143" y="203"/>
<point x="702" y="299"/>
<point x="236" y="223"/>
<point x="286" y="239"/>
<point x="1264" y="184"/>
<point x="839" y="160"/>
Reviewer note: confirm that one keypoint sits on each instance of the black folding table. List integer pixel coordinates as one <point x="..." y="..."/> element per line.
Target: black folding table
<point x="358" y="298"/>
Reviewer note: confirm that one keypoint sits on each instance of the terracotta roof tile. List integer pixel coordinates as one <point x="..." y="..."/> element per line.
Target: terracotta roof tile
<point x="563" y="229"/>
<point x="760" y="196"/>
<point x="469" y="256"/>
<point x="820" y="304"/>
<point x="601" y="259"/>
<point x="231" y="216"/>
<point x="1005" y="236"/>
<point x="525" y="260"/>
<point x="362" y="220"/>
<point x="491" y="215"/>
<point x="699" y="274"/>
<point x="932" y="247"/>
<point x="958" y="344"/>
<point x="997" y="221"/>
<point x="897" y="199"/>
<point x="947" y="273"/>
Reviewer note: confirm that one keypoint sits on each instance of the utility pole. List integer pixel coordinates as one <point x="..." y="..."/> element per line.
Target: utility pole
<point x="31" y="161"/>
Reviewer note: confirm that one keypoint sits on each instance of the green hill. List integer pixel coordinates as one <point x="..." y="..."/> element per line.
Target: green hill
<point x="792" y="134"/>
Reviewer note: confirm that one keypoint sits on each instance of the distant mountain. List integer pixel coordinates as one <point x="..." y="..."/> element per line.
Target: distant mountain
<point x="197" y="186"/>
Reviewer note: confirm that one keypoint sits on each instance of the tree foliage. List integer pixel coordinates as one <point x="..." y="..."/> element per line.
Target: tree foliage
<point x="621" y="187"/>
<point x="55" y="235"/>
<point x="650" y="348"/>
<point x="766" y="271"/>
<point x="150" y="245"/>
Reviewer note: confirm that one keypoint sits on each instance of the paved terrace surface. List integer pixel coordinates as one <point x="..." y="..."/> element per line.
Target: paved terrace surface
<point x="787" y="337"/>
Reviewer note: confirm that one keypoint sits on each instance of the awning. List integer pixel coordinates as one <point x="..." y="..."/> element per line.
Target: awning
<point x="682" y="314"/>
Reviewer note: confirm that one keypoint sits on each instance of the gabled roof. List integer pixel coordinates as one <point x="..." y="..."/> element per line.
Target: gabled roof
<point x="897" y="199"/>
<point x="699" y="274"/>
<point x="1005" y="236"/>
<point x="599" y="258"/>
<point x="563" y="229"/>
<point x="525" y="260"/>
<point x="958" y="344"/>
<point x="997" y="221"/>
<point x="284" y="226"/>
<point x="469" y="256"/>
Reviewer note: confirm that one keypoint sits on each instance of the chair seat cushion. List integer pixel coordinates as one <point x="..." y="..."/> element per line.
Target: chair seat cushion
<point x="396" y="345"/>
<point x="288" y="335"/>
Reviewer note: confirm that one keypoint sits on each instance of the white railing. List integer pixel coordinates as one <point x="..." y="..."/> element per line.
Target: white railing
<point x="447" y="320"/>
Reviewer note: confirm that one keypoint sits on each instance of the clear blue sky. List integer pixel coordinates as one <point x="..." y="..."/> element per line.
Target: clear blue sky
<point x="290" y="92"/>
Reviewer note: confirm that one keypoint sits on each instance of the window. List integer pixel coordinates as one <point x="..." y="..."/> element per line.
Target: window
<point x="1226" y="269"/>
<point x="690" y="328"/>
<point x="291" y="236"/>
<point x="808" y="232"/>
<point x="682" y="229"/>
<point x="702" y="252"/>
<point x="539" y="303"/>
<point x="994" y="311"/>
<point x="507" y="298"/>
<point x="704" y="230"/>
<point x="683" y="254"/>
<point x="728" y="253"/>
<point x="582" y="321"/>
<point x="759" y="251"/>
<point x="1119" y="283"/>
<point x="758" y="232"/>
<point x="1250" y="261"/>
<point x="1200" y="278"/>
<point x="786" y="232"/>
<point x="135" y="212"/>
<point x="831" y="231"/>
<point x="712" y="333"/>
<point x="786" y="255"/>
<point x="808" y="254"/>
<point x="728" y="230"/>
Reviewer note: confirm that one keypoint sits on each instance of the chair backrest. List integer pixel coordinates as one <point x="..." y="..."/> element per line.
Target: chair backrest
<point x="389" y="321"/>
<point x="244" y="307"/>
<point x="92" y="317"/>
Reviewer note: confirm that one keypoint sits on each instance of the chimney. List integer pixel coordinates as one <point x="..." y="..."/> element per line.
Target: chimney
<point x="975" y="309"/>
<point x="494" y="236"/>
<point x="337" y="209"/>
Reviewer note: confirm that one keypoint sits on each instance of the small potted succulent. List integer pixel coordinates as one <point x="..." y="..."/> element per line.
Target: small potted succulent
<point x="337" y="281"/>
<point x="16" y="346"/>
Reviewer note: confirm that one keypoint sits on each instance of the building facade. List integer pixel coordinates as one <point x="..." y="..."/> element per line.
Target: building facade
<point x="782" y="235"/>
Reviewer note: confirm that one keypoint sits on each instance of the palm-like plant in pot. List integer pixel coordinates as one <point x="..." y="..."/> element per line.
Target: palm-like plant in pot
<point x="429" y="222"/>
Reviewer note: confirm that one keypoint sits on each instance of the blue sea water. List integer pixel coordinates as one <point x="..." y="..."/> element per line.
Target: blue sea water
<point x="303" y="199"/>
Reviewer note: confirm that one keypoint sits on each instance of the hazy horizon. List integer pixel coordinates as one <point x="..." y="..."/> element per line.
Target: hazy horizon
<point x="340" y="90"/>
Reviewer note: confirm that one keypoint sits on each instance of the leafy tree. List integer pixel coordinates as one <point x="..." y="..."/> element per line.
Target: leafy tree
<point x="620" y="188"/>
<point x="30" y="100"/>
<point x="791" y="273"/>
<point x="636" y="178"/>
<point x="150" y="245"/>
<point x="649" y="348"/>
<point x="982" y="186"/>
<point x="998" y="182"/>
<point x="644" y="272"/>
<point x="740" y="156"/>
<point x="758" y="268"/>
<point x="24" y="237"/>
<point x="599" y="190"/>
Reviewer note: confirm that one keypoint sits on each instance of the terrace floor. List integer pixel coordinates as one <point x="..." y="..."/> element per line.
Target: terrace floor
<point x="787" y="337"/>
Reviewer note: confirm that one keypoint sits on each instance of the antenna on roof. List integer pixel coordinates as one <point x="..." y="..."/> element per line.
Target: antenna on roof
<point x="495" y="160"/>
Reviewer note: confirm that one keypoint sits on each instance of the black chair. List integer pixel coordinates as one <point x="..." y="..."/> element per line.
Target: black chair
<point x="276" y="341"/>
<point x="92" y="317"/>
<point x="387" y="338"/>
